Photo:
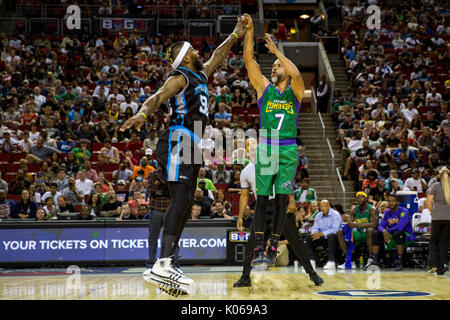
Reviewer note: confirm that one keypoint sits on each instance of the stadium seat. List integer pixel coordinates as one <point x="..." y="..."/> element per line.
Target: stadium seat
<point x="14" y="197"/>
<point x="110" y="167"/>
<point x="19" y="156"/>
<point x="6" y="157"/>
<point x="97" y="146"/>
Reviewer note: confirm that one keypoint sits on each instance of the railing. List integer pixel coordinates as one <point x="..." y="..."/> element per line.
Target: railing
<point x="10" y="24"/>
<point x="313" y="100"/>
<point x="333" y="170"/>
<point x="164" y="11"/>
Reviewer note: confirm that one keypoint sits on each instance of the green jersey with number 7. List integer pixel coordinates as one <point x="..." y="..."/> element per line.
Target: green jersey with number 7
<point x="278" y="111"/>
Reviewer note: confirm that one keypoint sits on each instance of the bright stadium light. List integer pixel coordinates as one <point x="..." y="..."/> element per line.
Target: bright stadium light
<point x="304" y="16"/>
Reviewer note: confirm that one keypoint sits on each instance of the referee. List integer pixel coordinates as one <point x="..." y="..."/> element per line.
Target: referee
<point x="289" y="232"/>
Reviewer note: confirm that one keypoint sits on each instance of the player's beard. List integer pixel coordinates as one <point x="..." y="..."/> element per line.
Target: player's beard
<point x="198" y="65"/>
<point x="277" y="78"/>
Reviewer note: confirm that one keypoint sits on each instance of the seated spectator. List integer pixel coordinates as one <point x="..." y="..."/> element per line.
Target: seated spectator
<point x="235" y="183"/>
<point x="313" y="210"/>
<point x="26" y="143"/>
<point x="219" y="211"/>
<point x="72" y="194"/>
<point x="416" y="182"/>
<point x="86" y="133"/>
<point x="134" y="144"/>
<point x="91" y="173"/>
<point x="125" y="213"/>
<point x="221" y="175"/>
<point x="204" y="202"/>
<point x="71" y="164"/>
<point x="143" y="166"/>
<point x="3" y="184"/>
<point x="195" y="211"/>
<point x="151" y="141"/>
<point x="50" y="208"/>
<point x="85" y="213"/>
<point x="123" y="173"/>
<point x="222" y="116"/>
<point x="404" y="149"/>
<point x="24" y="208"/>
<point x="95" y="204"/>
<point x="54" y="193"/>
<point x="63" y="207"/>
<point x="138" y="183"/>
<point x="108" y="154"/>
<point x="40" y="153"/>
<point x="20" y="183"/>
<point x="349" y="151"/>
<point x="395" y="231"/>
<point x="61" y="179"/>
<point x="106" y="185"/>
<point x="112" y="207"/>
<point x="83" y="183"/>
<point x="82" y="153"/>
<point x="425" y="215"/>
<point x="121" y="193"/>
<point x="40" y="215"/>
<point x="378" y="194"/>
<point x="409" y="112"/>
<point x="221" y="197"/>
<point x="326" y="225"/>
<point x="135" y="200"/>
<point x="305" y="194"/>
<point x="5" y="205"/>
<point x="371" y="181"/>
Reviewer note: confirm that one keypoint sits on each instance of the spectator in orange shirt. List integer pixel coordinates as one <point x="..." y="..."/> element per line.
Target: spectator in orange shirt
<point x="134" y="144"/>
<point x="144" y="166"/>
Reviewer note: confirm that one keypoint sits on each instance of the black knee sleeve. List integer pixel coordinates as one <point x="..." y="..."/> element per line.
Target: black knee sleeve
<point x="280" y="215"/>
<point x="260" y="213"/>
<point x="399" y="237"/>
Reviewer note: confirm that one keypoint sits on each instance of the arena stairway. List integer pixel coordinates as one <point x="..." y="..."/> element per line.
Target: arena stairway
<point x="342" y="82"/>
<point x="320" y="162"/>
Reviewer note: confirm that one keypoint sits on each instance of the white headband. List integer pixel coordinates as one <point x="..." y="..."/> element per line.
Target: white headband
<point x="183" y="51"/>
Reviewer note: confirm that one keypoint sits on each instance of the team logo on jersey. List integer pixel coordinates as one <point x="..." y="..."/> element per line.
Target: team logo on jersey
<point x="374" y="293"/>
<point x="287" y="185"/>
<point x="239" y="236"/>
<point x="201" y="88"/>
<point x="271" y="106"/>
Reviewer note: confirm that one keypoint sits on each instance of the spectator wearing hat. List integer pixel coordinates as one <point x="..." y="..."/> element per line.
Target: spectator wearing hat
<point x="121" y="193"/>
<point x="416" y="182"/>
<point x="206" y="192"/>
<point x="305" y="194"/>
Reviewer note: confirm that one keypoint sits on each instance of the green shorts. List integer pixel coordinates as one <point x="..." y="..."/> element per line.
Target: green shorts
<point x="275" y="165"/>
<point x="359" y="237"/>
<point x="393" y="245"/>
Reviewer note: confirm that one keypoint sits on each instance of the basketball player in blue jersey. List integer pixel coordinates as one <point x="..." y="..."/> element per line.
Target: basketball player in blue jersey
<point x="178" y="152"/>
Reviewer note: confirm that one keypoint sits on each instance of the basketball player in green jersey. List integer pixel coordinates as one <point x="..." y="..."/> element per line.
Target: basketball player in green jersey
<point x="277" y="154"/>
<point x="363" y="220"/>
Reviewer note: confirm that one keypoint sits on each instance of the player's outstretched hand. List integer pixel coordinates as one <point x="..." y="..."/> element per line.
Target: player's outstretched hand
<point x="134" y="122"/>
<point x="239" y="29"/>
<point x="270" y="44"/>
<point x="247" y="21"/>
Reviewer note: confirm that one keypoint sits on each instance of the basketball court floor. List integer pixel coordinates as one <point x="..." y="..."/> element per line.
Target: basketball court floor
<point x="216" y="283"/>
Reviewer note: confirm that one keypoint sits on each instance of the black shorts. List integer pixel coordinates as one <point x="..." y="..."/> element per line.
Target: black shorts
<point x="179" y="156"/>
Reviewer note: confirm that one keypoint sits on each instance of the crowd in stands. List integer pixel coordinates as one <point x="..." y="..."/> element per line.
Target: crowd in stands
<point x="63" y="100"/>
<point x="394" y="128"/>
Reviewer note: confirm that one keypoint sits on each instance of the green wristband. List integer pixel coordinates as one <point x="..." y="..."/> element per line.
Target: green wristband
<point x="235" y="34"/>
<point x="143" y="114"/>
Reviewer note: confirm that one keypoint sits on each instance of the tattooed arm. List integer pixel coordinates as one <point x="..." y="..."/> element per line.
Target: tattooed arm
<point x="222" y="51"/>
<point x="171" y="87"/>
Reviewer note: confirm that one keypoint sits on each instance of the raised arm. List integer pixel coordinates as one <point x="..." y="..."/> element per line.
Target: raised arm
<point x="292" y="71"/>
<point x="222" y="51"/>
<point x="255" y="75"/>
<point x="171" y="87"/>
